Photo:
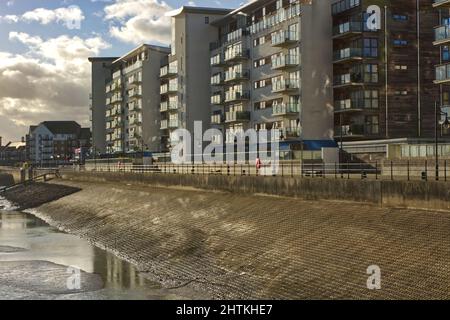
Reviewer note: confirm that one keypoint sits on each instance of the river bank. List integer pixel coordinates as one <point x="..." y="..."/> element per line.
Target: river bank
<point x="236" y="246"/>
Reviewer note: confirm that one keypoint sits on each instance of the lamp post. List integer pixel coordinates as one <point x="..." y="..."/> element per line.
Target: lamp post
<point x="445" y="124"/>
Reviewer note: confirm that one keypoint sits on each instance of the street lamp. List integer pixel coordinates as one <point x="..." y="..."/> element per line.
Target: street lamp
<point x="445" y="124"/>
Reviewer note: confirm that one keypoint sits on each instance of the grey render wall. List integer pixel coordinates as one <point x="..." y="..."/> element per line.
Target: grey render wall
<point x="317" y="70"/>
<point x="199" y="35"/>
<point x="101" y="74"/>
<point x="151" y="99"/>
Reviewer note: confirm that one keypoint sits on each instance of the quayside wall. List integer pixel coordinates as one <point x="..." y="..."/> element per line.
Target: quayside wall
<point x="427" y="195"/>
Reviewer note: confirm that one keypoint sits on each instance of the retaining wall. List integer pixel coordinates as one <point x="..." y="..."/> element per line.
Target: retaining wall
<point x="430" y="195"/>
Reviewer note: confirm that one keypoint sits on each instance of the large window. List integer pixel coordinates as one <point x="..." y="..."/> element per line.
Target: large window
<point x="370" y="47"/>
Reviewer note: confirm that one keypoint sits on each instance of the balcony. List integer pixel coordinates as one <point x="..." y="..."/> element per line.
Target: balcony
<point x="237" y="116"/>
<point x="135" y="93"/>
<point x="217" y="119"/>
<point x="174" y="124"/>
<point x="286" y="109"/>
<point x="441" y="35"/>
<point x="349" y="105"/>
<point x="234" y="96"/>
<point x="218" y="60"/>
<point x="135" y="107"/>
<point x="236" y="76"/>
<point x="442" y="74"/>
<point x="164" y="124"/>
<point x="352" y="130"/>
<point x="217" y="99"/>
<point x="347" y="29"/>
<point x="285" y="62"/>
<point x="169" y="88"/>
<point x="237" y="55"/>
<point x="135" y="80"/>
<point x="136" y="122"/>
<point x="348" y="80"/>
<point x="441" y="4"/>
<point x="347" y="55"/>
<point x="344" y="5"/>
<point x="217" y="79"/>
<point x="285" y="38"/>
<point x="285" y="86"/>
<point x="168" y="71"/>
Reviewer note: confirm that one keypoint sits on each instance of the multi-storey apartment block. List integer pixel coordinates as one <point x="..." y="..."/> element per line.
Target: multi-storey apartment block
<point x="272" y="69"/>
<point x="383" y="71"/>
<point x="133" y="101"/>
<point x="442" y="42"/>
<point x="185" y="77"/>
<point x="101" y="74"/>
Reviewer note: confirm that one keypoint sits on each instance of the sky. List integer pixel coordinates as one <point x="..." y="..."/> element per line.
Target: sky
<point x="44" y="46"/>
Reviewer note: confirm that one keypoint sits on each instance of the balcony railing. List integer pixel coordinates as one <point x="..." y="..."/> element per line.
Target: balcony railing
<point x="164" y="124"/>
<point x="344" y="5"/>
<point x="237" y="75"/>
<point x="284" y="38"/>
<point x="347" y="28"/>
<point x="232" y="96"/>
<point x="237" y="116"/>
<point x="348" y="105"/>
<point x="285" y="61"/>
<point x="174" y="124"/>
<point x="348" y="79"/>
<point x="169" y="88"/>
<point x="237" y="55"/>
<point x="443" y="73"/>
<point x="347" y="54"/>
<point x="356" y="130"/>
<point x="442" y="34"/>
<point x="168" y="71"/>
<point x="216" y="119"/>
<point x="285" y="85"/>
<point x="217" y="99"/>
<point x="218" y="60"/>
<point x="285" y="109"/>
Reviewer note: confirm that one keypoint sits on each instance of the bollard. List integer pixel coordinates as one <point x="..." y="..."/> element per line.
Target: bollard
<point x="22" y="175"/>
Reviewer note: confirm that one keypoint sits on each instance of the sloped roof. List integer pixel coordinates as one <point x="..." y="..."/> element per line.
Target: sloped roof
<point x="62" y="127"/>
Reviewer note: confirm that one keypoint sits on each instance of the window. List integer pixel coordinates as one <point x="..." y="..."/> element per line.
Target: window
<point x="372" y="124"/>
<point x="401" y="67"/>
<point x="401" y="93"/>
<point x="371" y="73"/>
<point x="370" y="47"/>
<point x="400" y="17"/>
<point x="400" y="42"/>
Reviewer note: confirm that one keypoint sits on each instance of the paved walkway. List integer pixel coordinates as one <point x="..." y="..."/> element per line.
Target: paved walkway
<point x="238" y="246"/>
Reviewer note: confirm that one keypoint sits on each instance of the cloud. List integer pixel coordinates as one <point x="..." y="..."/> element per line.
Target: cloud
<point x="70" y="17"/>
<point x="49" y="82"/>
<point x="138" y="21"/>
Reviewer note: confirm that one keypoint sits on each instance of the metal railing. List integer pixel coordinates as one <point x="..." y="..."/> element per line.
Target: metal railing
<point x="377" y="170"/>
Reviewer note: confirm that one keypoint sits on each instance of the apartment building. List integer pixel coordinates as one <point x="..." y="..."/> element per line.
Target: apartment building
<point x="52" y="141"/>
<point x="272" y="69"/>
<point x="133" y="101"/>
<point x="383" y="75"/>
<point x="442" y="42"/>
<point x="185" y="76"/>
<point x="101" y="74"/>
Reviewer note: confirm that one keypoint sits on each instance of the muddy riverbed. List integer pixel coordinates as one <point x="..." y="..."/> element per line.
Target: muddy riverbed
<point x="39" y="262"/>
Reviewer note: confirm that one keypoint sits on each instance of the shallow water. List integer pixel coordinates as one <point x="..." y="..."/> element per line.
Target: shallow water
<point x="39" y="262"/>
